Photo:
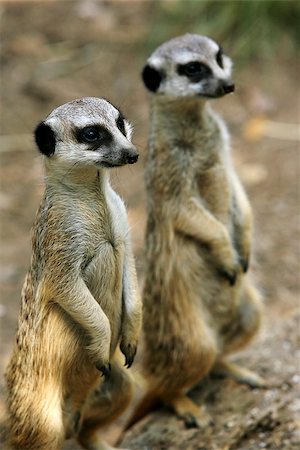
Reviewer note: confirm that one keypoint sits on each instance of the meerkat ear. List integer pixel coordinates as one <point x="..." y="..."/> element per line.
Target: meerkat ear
<point x="152" y="78"/>
<point x="45" y="139"/>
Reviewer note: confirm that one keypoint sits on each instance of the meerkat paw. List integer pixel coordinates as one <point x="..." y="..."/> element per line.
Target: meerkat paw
<point x="225" y="257"/>
<point x="200" y="420"/>
<point x="230" y="273"/>
<point x="129" y="351"/>
<point x="239" y="374"/>
<point x="244" y="264"/>
<point x="99" y="354"/>
<point x="244" y="251"/>
<point x="194" y="416"/>
<point x="229" y="267"/>
<point x="105" y="370"/>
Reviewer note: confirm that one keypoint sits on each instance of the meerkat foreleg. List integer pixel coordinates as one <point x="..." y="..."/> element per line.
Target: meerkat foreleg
<point x="87" y="312"/>
<point x="132" y="309"/>
<point x="242" y="331"/>
<point x="243" y="224"/>
<point x="193" y="219"/>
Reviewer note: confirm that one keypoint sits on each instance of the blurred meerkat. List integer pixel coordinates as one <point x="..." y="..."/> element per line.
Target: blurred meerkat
<point x="80" y="299"/>
<point x="199" y="303"/>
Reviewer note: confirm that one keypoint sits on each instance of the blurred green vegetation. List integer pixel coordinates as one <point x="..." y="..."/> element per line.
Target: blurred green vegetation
<point x="249" y="29"/>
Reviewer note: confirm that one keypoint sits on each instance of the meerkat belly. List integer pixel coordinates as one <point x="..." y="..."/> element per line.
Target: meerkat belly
<point x="196" y="305"/>
<point x="213" y="188"/>
<point x="103" y="277"/>
<point x="175" y="318"/>
<point x="208" y="290"/>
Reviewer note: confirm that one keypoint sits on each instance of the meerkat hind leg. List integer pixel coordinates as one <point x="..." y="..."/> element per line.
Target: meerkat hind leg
<point x="194" y="416"/>
<point x="106" y="403"/>
<point x="247" y="324"/>
<point x="238" y="373"/>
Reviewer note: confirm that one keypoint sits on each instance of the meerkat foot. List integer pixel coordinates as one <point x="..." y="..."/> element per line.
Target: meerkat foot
<point x="239" y="374"/>
<point x="194" y="416"/>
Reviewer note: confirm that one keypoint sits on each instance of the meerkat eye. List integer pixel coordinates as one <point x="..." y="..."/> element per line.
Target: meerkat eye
<point x="94" y="135"/>
<point x="194" y="70"/>
<point x="121" y="124"/>
<point x="219" y="58"/>
<point x="89" y="134"/>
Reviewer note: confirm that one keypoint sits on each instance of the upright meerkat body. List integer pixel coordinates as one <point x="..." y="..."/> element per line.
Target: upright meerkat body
<point x="199" y="305"/>
<point x="80" y="297"/>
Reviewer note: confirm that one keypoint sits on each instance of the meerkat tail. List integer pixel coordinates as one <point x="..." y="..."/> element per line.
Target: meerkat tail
<point x="41" y="424"/>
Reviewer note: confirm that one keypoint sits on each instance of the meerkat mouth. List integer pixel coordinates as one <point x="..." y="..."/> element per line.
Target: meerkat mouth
<point x="212" y="96"/>
<point x="108" y="165"/>
<point x="128" y="160"/>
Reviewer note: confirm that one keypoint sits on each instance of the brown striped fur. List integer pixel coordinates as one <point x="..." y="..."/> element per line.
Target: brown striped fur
<point x="199" y="303"/>
<point x="80" y="298"/>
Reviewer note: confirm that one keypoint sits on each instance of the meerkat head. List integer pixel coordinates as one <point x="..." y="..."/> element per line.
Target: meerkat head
<point x="189" y="66"/>
<point x="86" y="132"/>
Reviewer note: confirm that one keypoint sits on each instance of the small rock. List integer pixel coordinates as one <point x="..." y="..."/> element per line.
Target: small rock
<point x="296" y="379"/>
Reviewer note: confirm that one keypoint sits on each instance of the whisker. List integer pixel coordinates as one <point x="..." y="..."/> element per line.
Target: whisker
<point x="76" y="163"/>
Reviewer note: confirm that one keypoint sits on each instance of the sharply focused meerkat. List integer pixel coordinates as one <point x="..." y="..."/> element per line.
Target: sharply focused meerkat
<point x="80" y="299"/>
<point x="199" y="303"/>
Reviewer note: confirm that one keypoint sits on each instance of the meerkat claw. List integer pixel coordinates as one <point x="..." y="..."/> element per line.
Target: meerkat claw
<point x="129" y="352"/>
<point x="105" y="370"/>
<point x="244" y="264"/>
<point x="231" y="277"/>
<point x="129" y="359"/>
<point x="190" y="421"/>
<point x="128" y="362"/>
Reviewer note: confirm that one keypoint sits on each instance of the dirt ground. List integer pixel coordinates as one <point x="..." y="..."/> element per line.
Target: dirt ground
<point x="54" y="52"/>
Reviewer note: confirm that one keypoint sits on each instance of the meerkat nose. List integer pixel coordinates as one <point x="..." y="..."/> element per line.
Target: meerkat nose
<point x="131" y="156"/>
<point x="228" y="86"/>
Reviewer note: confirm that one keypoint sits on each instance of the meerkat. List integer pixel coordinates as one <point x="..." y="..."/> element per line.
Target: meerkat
<point x="80" y="299"/>
<point x="199" y="302"/>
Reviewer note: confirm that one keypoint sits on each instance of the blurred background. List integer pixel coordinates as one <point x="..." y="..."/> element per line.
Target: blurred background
<point x="55" y="51"/>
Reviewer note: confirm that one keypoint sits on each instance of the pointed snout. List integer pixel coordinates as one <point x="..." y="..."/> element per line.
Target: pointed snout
<point x="228" y="86"/>
<point x="130" y="155"/>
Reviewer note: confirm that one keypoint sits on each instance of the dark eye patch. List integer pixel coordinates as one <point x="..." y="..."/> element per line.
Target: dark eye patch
<point x="90" y="134"/>
<point x="194" y="70"/>
<point x="120" y="124"/>
<point x="95" y="135"/>
<point x="219" y="58"/>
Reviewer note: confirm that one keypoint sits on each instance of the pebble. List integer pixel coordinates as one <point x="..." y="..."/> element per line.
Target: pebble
<point x="296" y="379"/>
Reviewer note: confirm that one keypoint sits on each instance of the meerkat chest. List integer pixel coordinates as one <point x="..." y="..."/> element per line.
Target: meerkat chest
<point x="104" y="255"/>
<point x="213" y="188"/>
<point x="106" y="221"/>
<point x="117" y="218"/>
<point x="105" y="241"/>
